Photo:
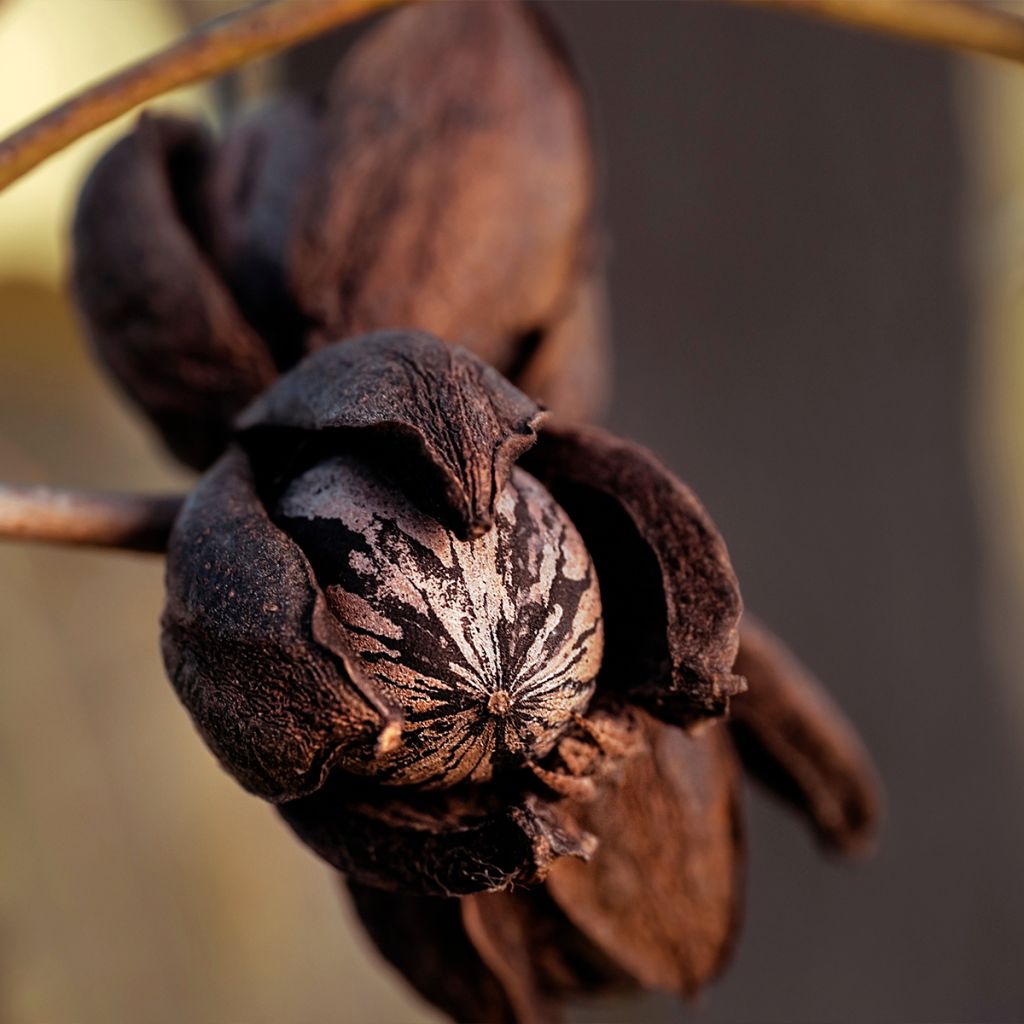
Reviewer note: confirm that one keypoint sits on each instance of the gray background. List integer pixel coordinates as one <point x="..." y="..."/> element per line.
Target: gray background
<point x="786" y="204"/>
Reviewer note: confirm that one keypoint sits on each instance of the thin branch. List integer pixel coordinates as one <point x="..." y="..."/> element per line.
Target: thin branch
<point x="220" y="46"/>
<point x="134" y="522"/>
<point x="956" y="24"/>
<point x="225" y="44"/>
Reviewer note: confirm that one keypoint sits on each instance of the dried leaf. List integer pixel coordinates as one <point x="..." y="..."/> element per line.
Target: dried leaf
<point x="454" y="188"/>
<point x="160" y="319"/>
<point x="502" y="957"/>
<point x="796" y="740"/>
<point x="445" y="424"/>
<point x="251" y="647"/>
<point x="425" y="938"/>
<point x="670" y="598"/>
<point x="537" y="954"/>
<point x="661" y="895"/>
<point x="449" y="842"/>
<point x="503" y="935"/>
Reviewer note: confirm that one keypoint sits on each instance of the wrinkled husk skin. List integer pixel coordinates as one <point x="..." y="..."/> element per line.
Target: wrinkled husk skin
<point x="269" y="673"/>
<point x="657" y="905"/>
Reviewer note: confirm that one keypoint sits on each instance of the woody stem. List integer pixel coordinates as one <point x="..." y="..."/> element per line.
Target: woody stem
<point x="134" y="522"/>
<point x="212" y="50"/>
<point x="269" y="27"/>
<point x="956" y="24"/>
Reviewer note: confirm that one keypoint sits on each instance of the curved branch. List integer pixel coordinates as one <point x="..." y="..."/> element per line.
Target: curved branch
<point x="133" y="522"/>
<point x="214" y="49"/>
<point x="274" y="26"/>
<point x="956" y="24"/>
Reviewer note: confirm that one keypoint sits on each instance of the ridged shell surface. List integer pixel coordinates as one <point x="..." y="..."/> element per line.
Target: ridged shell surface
<point x="490" y="645"/>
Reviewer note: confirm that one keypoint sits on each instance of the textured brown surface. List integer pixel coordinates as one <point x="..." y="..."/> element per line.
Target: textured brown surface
<point x="445" y="183"/>
<point x="251" y="647"/>
<point x="443" y="963"/>
<point x="439" y="843"/>
<point x="506" y="937"/>
<point x="670" y="596"/>
<point x="657" y="902"/>
<point x="489" y="646"/>
<point x="140" y="881"/>
<point x="159" y="316"/>
<point x="794" y="738"/>
<point x="358" y="634"/>
<point x="536" y="953"/>
<point x="453" y="189"/>
<point x="500" y="958"/>
<point x="445" y="424"/>
<point x="662" y="894"/>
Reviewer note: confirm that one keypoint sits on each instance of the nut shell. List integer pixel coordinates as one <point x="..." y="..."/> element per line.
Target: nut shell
<point x="488" y="646"/>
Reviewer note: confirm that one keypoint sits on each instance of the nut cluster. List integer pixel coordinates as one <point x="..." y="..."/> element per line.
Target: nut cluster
<point x="466" y="648"/>
<point x="443" y="181"/>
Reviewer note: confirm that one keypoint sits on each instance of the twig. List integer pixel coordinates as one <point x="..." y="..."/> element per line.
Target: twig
<point x="269" y="27"/>
<point x="220" y="46"/>
<point x="134" y="522"/>
<point x="957" y="24"/>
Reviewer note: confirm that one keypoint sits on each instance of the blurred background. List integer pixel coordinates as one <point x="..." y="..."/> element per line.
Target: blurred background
<point x="817" y="269"/>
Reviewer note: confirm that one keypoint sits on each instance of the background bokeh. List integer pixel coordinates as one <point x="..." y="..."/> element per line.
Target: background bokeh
<point x="817" y="245"/>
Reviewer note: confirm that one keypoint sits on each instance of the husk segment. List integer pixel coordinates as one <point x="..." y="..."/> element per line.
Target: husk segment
<point x="670" y="597"/>
<point x="251" y="647"/>
<point x="795" y="739"/>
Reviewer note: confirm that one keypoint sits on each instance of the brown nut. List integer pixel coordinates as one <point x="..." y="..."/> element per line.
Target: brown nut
<point x="487" y="646"/>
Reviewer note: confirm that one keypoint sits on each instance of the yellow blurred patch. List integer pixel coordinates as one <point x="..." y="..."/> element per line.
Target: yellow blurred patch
<point x="49" y="49"/>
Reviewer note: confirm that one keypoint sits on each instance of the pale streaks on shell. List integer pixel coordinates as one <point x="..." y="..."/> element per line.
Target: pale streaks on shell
<point x="672" y="602"/>
<point x="490" y="646"/>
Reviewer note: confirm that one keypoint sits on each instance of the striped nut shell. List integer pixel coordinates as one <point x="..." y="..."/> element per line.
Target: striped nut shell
<point x="489" y="646"/>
